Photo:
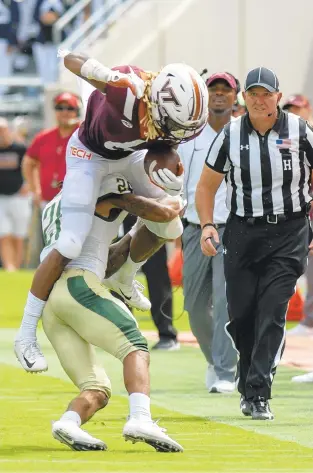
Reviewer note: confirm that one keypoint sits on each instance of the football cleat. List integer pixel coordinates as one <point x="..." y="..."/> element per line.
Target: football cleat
<point x="149" y="432"/>
<point x="30" y="356"/>
<point x="131" y="295"/>
<point x="67" y="432"/>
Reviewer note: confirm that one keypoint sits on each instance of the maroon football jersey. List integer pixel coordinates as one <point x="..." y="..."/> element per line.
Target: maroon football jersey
<point x="111" y="127"/>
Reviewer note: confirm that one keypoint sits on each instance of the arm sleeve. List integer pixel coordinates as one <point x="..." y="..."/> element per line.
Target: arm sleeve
<point x="309" y="144"/>
<point x="218" y="154"/>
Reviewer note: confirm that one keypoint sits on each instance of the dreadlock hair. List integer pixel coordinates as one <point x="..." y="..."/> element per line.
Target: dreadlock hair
<point x="152" y="132"/>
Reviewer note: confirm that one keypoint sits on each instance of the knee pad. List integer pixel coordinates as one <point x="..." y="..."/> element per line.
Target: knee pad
<point x="69" y="245"/>
<point x="169" y="230"/>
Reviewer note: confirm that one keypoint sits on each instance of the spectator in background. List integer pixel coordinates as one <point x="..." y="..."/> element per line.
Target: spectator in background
<point x="299" y="105"/>
<point x="47" y="12"/>
<point x="44" y="163"/>
<point x="9" y="17"/>
<point x="203" y="277"/>
<point x="27" y="31"/>
<point x="160" y="295"/>
<point x="21" y="129"/>
<point x="15" y="205"/>
<point x="239" y="107"/>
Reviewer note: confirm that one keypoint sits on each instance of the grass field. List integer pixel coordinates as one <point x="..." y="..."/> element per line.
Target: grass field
<point x="210" y="427"/>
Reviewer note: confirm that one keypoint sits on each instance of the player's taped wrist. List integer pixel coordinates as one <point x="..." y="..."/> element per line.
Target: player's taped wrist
<point x="94" y="70"/>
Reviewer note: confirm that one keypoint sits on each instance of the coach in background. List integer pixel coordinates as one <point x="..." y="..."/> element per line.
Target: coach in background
<point x="15" y="205"/>
<point x="204" y="282"/>
<point x="267" y="157"/>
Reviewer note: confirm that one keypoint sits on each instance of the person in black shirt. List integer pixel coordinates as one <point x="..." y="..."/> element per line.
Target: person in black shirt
<point x="160" y="295"/>
<point x="9" y="19"/>
<point x="15" y="204"/>
<point x="47" y="12"/>
<point x="267" y="157"/>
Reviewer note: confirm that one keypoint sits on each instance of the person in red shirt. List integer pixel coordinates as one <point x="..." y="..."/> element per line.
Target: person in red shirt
<point x="44" y="162"/>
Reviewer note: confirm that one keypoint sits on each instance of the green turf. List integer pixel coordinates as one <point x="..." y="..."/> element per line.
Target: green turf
<point x="15" y="286"/>
<point x="29" y="404"/>
<point x="216" y="437"/>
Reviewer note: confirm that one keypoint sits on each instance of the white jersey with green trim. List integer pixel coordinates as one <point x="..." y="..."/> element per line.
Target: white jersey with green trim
<point x="94" y="255"/>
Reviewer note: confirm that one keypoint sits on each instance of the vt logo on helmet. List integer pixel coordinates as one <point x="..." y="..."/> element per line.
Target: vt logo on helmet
<point x="179" y="99"/>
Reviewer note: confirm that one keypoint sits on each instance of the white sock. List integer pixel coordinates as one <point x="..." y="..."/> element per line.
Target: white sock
<point x="139" y="406"/>
<point x="126" y="274"/>
<point x="72" y="416"/>
<point x="32" y="313"/>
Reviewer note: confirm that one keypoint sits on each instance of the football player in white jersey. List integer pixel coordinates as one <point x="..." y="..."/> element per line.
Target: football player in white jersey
<point x="81" y="313"/>
<point x="130" y="114"/>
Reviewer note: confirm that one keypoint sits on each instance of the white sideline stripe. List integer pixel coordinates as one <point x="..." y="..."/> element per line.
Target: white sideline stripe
<point x="233" y="470"/>
<point x="87" y="462"/>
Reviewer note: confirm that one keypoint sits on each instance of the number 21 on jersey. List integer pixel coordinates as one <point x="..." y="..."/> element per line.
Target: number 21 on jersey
<point x="51" y="221"/>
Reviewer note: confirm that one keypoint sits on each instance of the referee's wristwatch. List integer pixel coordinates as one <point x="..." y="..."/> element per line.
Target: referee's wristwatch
<point x="209" y="224"/>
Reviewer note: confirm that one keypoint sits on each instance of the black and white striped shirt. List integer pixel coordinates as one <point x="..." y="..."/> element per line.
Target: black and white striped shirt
<point x="267" y="174"/>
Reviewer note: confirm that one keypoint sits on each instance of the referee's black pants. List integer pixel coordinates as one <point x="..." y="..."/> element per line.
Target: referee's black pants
<point x="262" y="264"/>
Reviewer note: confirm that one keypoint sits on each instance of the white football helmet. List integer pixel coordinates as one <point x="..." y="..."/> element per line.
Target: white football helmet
<point x="179" y="99"/>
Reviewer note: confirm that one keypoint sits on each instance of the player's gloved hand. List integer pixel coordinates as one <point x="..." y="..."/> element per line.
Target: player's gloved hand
<point x="94" y="70"/>
<point x="168" y="181"/>
<point x="131" y="80"/>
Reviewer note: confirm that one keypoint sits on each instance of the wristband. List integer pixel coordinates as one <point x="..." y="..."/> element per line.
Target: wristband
<point x="209" y="224"/>
<point x="93" y="69"/>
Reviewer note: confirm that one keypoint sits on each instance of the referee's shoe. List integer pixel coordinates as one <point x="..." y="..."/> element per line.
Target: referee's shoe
<point x="245" y="406"/>
<point x="260" y="409"/>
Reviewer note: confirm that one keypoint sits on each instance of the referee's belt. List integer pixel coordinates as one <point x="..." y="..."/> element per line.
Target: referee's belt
<point x="273" y="219"/>
<point x="198" y="226"/>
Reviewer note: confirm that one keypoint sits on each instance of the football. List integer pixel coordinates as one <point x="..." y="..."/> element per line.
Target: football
<point x="163" y="158"/>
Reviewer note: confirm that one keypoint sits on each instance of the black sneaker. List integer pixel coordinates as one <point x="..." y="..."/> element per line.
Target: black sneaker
<point x="245" y="406"/>
<point x="167" y="345"/>
<point x="261" y="409"/>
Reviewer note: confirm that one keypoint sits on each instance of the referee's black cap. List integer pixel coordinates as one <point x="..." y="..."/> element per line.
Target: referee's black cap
<point x="262" y="77"/>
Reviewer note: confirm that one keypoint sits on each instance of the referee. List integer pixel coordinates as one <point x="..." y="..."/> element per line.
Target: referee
<point x="267" y="157"/>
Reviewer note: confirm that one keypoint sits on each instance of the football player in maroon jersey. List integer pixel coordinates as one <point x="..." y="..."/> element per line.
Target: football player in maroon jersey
<point x="130" y="112"/>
